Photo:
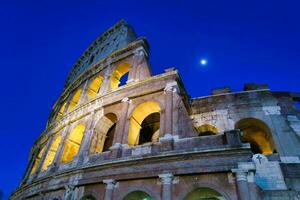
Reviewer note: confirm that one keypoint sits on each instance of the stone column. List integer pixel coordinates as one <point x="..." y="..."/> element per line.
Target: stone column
<point x="110" y="185"/>
<point x="60" y="148"/>
<point x="133" y="69"/>
<point x="242" y="183"/>
<point x="69" y="192"/>
<point x="120" y="133"/>
<point x="85" y="143"/>
<point x="105" y="86"/>
<point x="42" y="159"/>
<point x="168" y="109"/>
<point x="78" y="192"/>
<point x="83" y="96"/>
<point x="140" y="68"/>
<point x="166" y="180"/>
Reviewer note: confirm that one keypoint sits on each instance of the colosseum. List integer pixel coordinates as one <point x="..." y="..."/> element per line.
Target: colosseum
<point x="118" y="132"/>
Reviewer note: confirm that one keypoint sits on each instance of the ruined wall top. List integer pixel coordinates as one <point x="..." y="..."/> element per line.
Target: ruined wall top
<point x="116" y="37"/>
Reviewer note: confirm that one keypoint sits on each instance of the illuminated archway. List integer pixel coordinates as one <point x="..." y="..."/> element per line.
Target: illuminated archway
<point x="51" y="153"/>
<point x="117" y="74"/>
<point x="144" y="124"/>
<point x="258" y="134"/>
<point x="94" y="87"/>
<point x="207" y="129"/>
<point x="103" y="134"/>
<point x="61" y="110"/>
<point x="75" y="99"/>
<point x="138" y="195"/>
<point x="204" y="194"/>
<point x="37" y="161"/>
<point x="73" y="143"/>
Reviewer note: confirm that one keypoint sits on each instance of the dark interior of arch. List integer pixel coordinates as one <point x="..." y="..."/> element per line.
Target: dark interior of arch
<point x="148" y="127"/>
<point x="254" y="146"/>
<point x="258" y="134"/>
<point x="205" y="133"/>
<point x="138" y="195"/>
<point x="88" y="197"/>
<point x="109" y="137"/>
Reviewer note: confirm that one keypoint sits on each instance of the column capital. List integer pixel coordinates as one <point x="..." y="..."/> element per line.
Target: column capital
<point x="69" y="187"/>
<point x="116" y="146"/>
<point x="171" y="87"/>
<point x="140" y="52"/>
<point x="126" y="100"/>
<point x="166" y="178"/>
<point x="241" y="174"/>
<point x="110" y="183"/>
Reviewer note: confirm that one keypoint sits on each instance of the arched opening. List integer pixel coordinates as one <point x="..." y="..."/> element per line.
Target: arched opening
<point x="61" y="110"/>
<point x="207" y="129"/>
<point x="104" y="132"/>
<point x="204" y="194"/>
<point x="94" y="87"/>
<point x="137" y="195"/>
<point x="37" y="161"/>
<point x="144" y="124"/>
<point x="116" y="79"/>
<point x="88" y="197"/>
<point x="51" y="153"/>
<point x="258" y="134"/>
<point x="72" y="144"/>
<point x="73" y="103"/>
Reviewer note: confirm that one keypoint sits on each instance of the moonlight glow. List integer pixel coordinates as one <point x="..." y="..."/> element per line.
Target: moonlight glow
<point x="203" y="61"/>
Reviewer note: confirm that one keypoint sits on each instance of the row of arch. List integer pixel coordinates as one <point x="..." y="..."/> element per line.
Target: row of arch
<point x="254" y="131"/>
<point x="203" y="193"/>
<point x="144" y="127"/>
<point x="117" y="78"/>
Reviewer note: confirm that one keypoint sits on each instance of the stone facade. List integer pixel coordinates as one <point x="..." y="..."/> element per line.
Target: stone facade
<point x="107" y="138"/>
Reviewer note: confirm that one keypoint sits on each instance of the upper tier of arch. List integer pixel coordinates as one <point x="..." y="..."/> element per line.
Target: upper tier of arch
<point x="115" y="38"/>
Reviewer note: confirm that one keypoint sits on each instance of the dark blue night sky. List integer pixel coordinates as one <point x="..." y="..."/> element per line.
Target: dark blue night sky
<point x="243" y="41"/>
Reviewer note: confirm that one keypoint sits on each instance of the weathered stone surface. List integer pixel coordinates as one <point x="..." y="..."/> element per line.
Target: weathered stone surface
<point x="179" y="157"/>
<point x="268" y="174"/>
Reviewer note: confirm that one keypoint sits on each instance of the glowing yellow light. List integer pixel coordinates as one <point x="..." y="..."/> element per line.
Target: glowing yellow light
<point x="137" y="117"/>
<point x="72" y="144"/>
<point x="61" y="110"/>
<point x="258" y="134"/>
<point x="73" y="103"/>
<point x="207" y="129"/>
<point x="51" y="153"/>
<point x="94" y="87"/>
<point x="120" y="71"/>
